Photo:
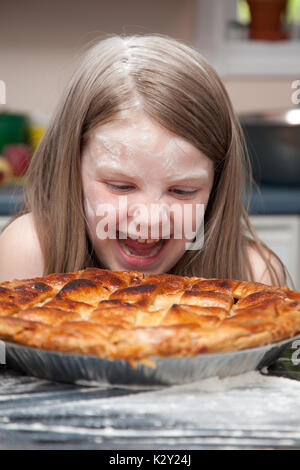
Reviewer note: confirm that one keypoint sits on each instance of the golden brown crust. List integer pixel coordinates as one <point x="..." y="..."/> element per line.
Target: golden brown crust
<point x="133" y="316"/>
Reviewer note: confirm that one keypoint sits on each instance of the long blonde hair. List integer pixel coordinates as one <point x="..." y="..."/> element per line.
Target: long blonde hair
<point x="182" y="92"/>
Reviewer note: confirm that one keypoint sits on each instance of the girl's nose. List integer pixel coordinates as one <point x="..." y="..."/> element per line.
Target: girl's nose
<point x="150" y="220"/>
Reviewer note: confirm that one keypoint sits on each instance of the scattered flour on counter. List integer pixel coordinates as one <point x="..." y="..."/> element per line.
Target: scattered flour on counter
<point x="252" y="379"/>
<point x="249" y="406"/>
<point x="247" y="395"/>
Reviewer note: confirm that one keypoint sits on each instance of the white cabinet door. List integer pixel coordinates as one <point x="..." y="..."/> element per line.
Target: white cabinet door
<point x="282" y="234"/>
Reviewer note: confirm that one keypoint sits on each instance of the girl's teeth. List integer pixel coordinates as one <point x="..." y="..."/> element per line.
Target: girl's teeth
<point x="153" y="240"/>
<point x="132" y="252"/>
<point x="143" y="240"/>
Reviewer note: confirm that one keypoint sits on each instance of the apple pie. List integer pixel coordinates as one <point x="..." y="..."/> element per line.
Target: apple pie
<point x="135" y="316"/>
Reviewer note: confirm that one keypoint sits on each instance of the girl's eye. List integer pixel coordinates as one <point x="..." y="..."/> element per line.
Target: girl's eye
<point x="127" y="187"/>
<point x="121" y="187"/>
<point x="181" y="192"/>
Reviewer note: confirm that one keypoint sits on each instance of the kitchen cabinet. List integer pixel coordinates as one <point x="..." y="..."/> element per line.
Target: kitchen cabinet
<point x="281" y="233"/>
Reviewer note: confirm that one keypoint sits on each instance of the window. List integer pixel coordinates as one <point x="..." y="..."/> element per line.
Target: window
<point x="292" y="20"/>
<point x="222" y="37"/>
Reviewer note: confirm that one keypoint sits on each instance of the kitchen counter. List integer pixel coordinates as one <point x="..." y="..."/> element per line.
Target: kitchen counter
<point x="267" y="200"/>
<point x="11" y="199"/>
<point x="275" y="200"/>
<point x="249" y="411"/>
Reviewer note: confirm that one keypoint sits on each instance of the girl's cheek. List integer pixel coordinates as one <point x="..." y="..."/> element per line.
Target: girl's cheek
<point x="186" y="219"/>
<point x="92" y="201"/>
<point x="103" y="212"/>
<point x="88" y="210"/>
<point x="108" y="212"/>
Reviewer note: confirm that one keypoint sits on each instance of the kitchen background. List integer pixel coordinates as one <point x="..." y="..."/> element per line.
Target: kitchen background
<point x="40" y="43"/>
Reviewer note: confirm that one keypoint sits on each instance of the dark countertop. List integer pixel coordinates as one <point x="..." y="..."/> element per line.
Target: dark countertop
<point x="266" y="200"/>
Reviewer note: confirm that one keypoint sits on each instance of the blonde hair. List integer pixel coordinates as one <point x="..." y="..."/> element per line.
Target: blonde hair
<point x="177" y="88"/>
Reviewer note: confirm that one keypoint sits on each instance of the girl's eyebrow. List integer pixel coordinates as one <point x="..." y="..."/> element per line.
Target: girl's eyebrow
<point x="195" y="176"/>
<point x="114" y="171"/>
<point x="203" y="176"/>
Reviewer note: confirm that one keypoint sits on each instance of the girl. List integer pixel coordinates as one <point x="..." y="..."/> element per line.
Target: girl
<point x="144" y="117"/>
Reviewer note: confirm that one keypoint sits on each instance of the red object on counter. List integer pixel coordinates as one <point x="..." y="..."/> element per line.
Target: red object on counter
<point x="19" y="157"/>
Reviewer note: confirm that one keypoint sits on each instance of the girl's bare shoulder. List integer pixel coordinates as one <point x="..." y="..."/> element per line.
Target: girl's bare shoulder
<point x="259" y="266"/>
<point x="20" y="252"/>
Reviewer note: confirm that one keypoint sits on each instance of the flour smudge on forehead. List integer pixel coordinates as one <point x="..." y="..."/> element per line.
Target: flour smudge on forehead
<point x="132" y="149"/>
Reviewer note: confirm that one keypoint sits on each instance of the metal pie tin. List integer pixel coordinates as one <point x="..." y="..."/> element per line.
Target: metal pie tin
<point x="91" y="370"/>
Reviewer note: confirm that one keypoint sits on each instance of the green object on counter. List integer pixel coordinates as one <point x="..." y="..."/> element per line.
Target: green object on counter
<point x="14" y="129"/>
<point x="288" y="364"/>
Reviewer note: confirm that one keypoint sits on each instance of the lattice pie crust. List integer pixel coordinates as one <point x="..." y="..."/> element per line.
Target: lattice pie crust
<point x="133" y="316"/>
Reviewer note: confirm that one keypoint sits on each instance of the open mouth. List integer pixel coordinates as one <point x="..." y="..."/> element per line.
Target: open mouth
<point x="141" y="248"/>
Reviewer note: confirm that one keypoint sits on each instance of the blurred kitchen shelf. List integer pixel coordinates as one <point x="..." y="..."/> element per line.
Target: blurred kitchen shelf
<point x="258" y="58"/>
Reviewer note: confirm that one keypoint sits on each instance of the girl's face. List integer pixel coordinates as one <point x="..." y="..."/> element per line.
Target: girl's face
<point x="137" y="179"/>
